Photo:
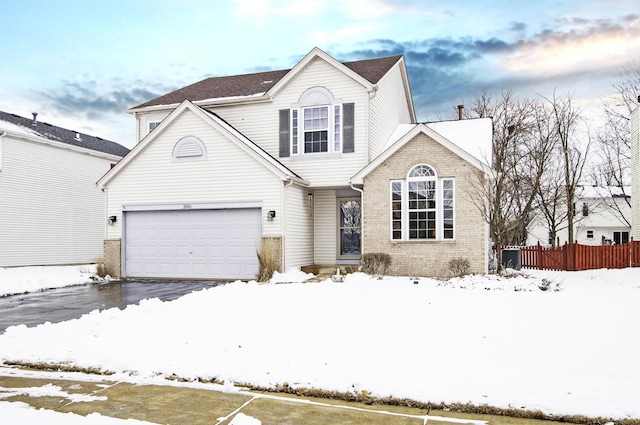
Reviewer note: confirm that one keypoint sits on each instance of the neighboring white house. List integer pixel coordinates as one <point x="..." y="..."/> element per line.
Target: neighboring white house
<point x="635" y="172"/>
<point x="317" y="161"/>
<point x="51" y="211"/>
<point x="600" y="214"/>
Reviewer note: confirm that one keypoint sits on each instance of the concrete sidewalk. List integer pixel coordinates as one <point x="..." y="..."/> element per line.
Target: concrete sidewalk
<point x="180" y="403"/>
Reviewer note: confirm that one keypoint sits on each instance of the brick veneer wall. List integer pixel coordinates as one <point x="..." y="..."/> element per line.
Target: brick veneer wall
<point x="425" y="258"/>
<point x="112" y="259"/>
<point x="275" y="247"/>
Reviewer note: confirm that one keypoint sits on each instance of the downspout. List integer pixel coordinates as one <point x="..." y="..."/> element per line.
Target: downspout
<point x="4" y="133"/>
<point x="135" y="117"/>
<point x="372" y="95"/>
<point x="287" y="184"/>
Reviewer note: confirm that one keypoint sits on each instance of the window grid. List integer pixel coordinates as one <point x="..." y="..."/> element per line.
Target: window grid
<point x="396" y="210"/>
<point x="336" y="128"/>
<point x="316" y="125"/>
<point x="294" y="126"/>
<point x="447" y="208"/>
<point x="422" y="209"/>
<point x="422" y="206"/>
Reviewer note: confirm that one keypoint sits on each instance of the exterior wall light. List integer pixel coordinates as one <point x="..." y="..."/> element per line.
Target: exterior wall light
<point x="310" y="197"/>
<point x="271" y="215"/>
<point x="112" y="219"/>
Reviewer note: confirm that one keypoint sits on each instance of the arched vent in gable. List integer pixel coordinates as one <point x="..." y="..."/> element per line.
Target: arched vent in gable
<point x="189" y="148"/>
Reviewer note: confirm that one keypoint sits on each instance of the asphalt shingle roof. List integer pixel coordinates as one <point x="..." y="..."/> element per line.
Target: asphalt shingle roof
<point x="254" y="84"/>
<point x="63" y="135"/>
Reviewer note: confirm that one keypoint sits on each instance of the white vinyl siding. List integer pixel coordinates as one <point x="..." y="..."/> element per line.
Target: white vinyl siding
<point x="325" y="227"/>
<point x="52" y="212"/>
<point x="229" y="174"/>
<point x="298" y="242"/>
<point x="635" y="173"/>
<point x="388" y="109"/>
<point x="259" y="122"/>
<point x="147" y="122"/>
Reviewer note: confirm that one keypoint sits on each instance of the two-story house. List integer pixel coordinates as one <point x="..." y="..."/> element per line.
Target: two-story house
<point x="600" y="215"/>
<point x="323" y="161"/>
<point x="51" y="212"/>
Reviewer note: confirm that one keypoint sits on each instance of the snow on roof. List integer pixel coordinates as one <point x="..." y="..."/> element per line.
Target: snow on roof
<point x="6" y="125"/>
<point x="474" y="136"/>
<point x="471" y="135"/>
<point x="593" y="192"/>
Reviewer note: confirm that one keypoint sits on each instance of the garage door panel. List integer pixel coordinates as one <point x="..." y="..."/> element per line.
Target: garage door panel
<point x="215" y="244"/>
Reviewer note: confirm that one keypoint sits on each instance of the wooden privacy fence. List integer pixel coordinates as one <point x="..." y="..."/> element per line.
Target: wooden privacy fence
<point x="575" y="257"/>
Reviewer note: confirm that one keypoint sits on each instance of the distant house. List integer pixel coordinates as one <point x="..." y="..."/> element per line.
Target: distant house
<point x="51" y="211"/>
<point x="635" y="172"/>
<point x="323" y="163"/>
<point x="600" y="214"/>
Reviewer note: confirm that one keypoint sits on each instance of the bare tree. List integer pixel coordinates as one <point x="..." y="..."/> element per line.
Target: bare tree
<point x="573" y="146"/>
<point x="520" y="157"/>
<point x="612" y="170"/>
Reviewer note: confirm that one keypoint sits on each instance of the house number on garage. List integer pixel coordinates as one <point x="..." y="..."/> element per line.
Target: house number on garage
<point x="186" y="206"/>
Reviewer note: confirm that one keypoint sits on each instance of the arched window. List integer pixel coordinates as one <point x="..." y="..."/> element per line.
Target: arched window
<point x="189" y="148"/>
<point x="421" y="191"/>
<point x="422" y="206"/>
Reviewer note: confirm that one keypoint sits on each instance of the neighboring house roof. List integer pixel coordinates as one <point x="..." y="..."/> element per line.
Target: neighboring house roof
<point x="246" y="144"/>
<point x="469" y="139"/>
<point x="252" y="85"/>
<point x="598" y="192"/>
<point x="30" y="127"/>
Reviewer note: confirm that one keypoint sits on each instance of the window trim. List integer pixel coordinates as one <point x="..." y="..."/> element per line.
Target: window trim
<point x="153" y="124"/>
<point x="316" y="97"/>
<point x="404" y="221"/>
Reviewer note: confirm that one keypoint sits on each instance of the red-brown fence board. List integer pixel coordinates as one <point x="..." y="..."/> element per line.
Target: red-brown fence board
<point x="580" y="257"/>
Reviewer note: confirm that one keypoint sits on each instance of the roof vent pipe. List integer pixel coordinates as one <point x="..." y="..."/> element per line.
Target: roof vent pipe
<point x="35" y="119"/>
<point x="460" y="108"/>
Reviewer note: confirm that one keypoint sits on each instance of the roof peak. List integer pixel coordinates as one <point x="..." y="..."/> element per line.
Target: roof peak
<point x="254" y="84"/>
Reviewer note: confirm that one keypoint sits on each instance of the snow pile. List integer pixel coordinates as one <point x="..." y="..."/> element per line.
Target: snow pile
<point x="293" y="275"/>
<point x="566" y="351"/>
<point x="512" y="281"/>
<point x="18" y="280"/>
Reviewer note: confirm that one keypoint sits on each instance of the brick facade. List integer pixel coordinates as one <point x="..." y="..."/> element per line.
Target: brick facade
<point x="111" y="260"/>
<point x="425" y="258"/>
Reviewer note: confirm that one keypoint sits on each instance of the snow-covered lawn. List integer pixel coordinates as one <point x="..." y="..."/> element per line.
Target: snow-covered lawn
<point x="18" y="280"/>
<point x="570" y="349"/>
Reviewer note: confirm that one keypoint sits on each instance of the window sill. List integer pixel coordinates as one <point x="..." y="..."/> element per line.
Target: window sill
<point x="412" y="241"/>
<point x="316" y="156"/>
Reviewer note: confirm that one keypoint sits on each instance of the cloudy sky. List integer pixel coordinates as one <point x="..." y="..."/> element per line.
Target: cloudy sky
<point x="82" y="63"/>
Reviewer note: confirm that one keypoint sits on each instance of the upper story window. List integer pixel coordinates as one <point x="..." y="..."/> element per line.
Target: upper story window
<point x="422" y="206"/>
<point x="152" y="125"/>
<point x="317" y="124"/>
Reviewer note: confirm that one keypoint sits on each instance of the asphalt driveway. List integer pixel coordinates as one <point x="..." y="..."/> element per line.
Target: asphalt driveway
<point x="58" y="305"/>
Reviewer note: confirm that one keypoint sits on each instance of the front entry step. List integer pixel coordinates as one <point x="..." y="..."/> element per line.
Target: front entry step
<point x="328" y="270"/>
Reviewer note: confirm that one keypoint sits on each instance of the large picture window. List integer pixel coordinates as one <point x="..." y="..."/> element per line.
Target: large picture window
<point x="422" y="206"/>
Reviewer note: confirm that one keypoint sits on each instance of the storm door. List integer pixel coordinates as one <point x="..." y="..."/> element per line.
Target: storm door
<point x="349" y="229"/>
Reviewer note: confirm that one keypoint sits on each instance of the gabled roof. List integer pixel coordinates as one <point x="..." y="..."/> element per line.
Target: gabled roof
<point x="370" y="71"/>
<point x="30" y="127"/>
<point x="469" y="139"/>
<point x="213" y="119"/>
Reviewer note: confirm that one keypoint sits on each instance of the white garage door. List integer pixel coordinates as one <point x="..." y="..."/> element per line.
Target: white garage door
<point x="206" y="244"/>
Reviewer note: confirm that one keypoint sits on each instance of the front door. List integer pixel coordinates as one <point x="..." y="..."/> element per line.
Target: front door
<point x="349" y="230"/>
